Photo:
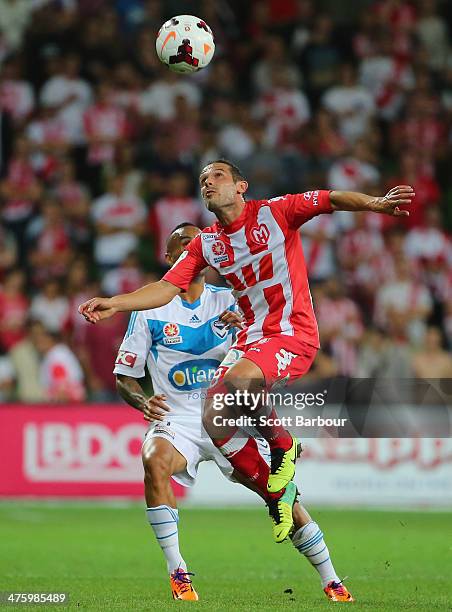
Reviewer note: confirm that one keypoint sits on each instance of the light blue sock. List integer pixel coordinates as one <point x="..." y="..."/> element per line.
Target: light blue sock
<point x="308" y="540"/>
<point x="163" y="521"/>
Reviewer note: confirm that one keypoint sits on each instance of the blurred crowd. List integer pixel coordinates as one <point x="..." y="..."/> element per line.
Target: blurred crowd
<point x="101" y="146"/>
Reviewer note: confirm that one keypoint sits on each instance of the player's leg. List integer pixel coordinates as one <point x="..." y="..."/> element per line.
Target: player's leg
<point x="308" y="539"/>
<point x="245" y="381"/>
<point x="160" y="461"/>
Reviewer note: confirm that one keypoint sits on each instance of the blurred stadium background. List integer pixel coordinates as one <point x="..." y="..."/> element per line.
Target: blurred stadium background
<point x="100" y="149"/>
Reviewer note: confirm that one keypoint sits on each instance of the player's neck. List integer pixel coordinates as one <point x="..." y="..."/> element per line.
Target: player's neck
<point x="194" y="291"/>
<point x="229" y="214"/>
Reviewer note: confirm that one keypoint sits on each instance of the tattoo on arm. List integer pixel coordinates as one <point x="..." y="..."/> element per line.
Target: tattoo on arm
<point x="131" y="391"/>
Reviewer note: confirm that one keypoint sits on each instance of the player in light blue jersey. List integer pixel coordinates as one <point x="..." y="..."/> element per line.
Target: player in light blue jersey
<point x="182" y="344"/>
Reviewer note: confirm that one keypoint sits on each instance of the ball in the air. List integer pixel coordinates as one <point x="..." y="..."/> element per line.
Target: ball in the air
<point x="185" y="43"/>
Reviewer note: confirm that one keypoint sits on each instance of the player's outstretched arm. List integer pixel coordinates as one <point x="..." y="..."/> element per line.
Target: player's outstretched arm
<point x="153" y="295"/>
<point x="388" y="204"/>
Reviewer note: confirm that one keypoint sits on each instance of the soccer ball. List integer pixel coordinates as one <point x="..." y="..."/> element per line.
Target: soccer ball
<point x="185" y="43"/>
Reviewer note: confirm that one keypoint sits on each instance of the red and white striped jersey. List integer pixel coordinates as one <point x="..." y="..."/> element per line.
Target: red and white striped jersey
<point x="260" y="256"/>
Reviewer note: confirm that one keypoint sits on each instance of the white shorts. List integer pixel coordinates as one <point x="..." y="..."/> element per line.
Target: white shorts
<point x="193" y="443"/>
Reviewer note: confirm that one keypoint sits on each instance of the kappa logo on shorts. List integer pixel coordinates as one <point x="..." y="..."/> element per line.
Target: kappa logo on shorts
<point x="284" y="359"/>
<point x="126" y="358"/>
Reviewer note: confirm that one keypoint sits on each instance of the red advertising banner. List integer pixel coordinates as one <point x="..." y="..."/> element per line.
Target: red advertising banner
<point x="71" y="451"/>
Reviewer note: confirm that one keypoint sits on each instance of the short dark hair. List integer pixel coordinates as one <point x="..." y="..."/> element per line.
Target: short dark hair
<point x="237" y="174"/>
<point x="181" y="225"/>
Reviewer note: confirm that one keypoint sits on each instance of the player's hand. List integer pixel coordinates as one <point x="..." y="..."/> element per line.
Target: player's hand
<point x="391" y="202"/>
<point x="232" y="319"/>
<point x="155" y="408"/>
<point x="96" y="309"/>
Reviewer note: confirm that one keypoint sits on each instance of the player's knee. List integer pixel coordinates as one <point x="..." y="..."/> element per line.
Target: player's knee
<point x="156" y="468"/>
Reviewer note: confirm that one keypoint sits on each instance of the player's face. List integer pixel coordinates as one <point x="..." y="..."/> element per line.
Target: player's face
<point x="178" y="242"/>
<point x="218" y="188"/>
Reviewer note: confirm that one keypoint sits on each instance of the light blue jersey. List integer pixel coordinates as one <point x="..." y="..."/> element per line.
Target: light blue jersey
<point x="182" y="344"/>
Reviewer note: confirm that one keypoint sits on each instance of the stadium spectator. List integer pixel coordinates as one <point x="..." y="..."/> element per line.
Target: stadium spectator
<point x="50" y="246"/>
<point x="7" y="377"/>
<point x="16" y="95"/>
<point x="126" y="277"/>
<point x="106" y="127"/>
<point x="19" y="192"/>
<point x="13" y="309"/>
<point x="433" y="33"/>
<point x="431" y="360"/>
<point x="383" y="355"/>
<point x="75" y="199"/>
<point x="340" y="324"/>
<point x="70" y="95"/>
<point x="50" y="306"/>
<point x="283" y="108"/>
<point x="318" y="236"/>
<point x="351" y="103"/>
<point x="96" y="350"/>
<point x="60" y="373"/>
<point x="176" y="206"/>
<point x="413" y="171"/>
<point x="8" y="252"/>
<point x="119" y="220"/>
<point x="158" y="100"/>
<point x="26" y="363"/>
<point x="404" y="303"/>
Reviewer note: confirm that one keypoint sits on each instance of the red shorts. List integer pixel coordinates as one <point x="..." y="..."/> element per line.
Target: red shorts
<point x="282" y="359"/>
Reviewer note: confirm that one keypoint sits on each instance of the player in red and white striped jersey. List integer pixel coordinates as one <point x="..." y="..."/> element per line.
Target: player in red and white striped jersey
<point x="256" y="247"/>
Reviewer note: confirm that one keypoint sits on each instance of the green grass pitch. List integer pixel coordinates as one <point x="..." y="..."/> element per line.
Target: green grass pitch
<point x="107" y="559"/>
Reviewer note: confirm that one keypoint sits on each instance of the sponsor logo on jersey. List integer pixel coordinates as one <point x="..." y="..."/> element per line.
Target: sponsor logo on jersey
<point x="126" y="358"/>
<point x="193" y="374"/>
<point x="314" y="195"/>
<point x="208" y="237"/>
<point x="195" y="319"/>
<point x="284" y="359"/>
<point x="260" y="234"/>
<point x="219" y="252"/>
<point x="219" y="328"/>
<point x="171" y="334"/>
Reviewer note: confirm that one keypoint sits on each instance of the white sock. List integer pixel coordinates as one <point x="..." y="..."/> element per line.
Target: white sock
<point x="308" y="540"/>
<point x="163" y="521"/>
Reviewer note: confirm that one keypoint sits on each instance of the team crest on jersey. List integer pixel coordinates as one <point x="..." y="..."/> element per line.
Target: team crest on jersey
<point x="219" y="252"/>
<point x="260" y="234"/>
<point x="171" y="334"/>
<point x="219" y="328"/>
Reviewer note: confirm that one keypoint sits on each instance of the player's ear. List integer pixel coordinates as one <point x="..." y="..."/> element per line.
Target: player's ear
<point x="242" y="187"/>
<point x="169" y="259"/>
